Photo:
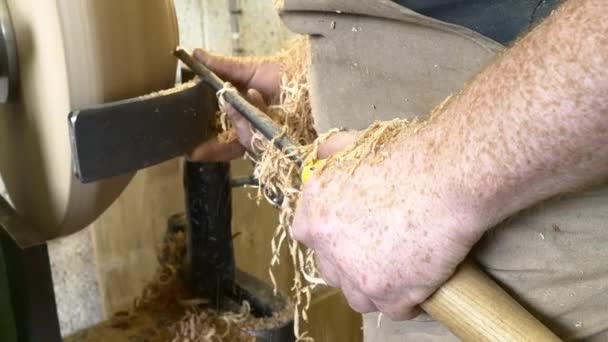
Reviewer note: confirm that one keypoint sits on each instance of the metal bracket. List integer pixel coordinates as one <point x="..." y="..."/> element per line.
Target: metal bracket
<point x="124" y="136"/>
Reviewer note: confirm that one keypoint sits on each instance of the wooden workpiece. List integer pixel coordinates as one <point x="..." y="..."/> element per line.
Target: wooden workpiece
<point x="75" y="54"/>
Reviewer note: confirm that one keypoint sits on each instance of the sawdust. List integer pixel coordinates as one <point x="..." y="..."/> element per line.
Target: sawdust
<point x="166" y="305"/>
<point x="198" y="322"/>
<point x="203" y="324"/>
<point x="368" y="148"/>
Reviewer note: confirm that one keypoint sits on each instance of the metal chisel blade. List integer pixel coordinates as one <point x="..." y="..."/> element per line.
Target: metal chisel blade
<point x="121" y="137"/>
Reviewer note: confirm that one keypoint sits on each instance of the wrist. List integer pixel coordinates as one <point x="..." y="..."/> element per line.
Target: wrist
<point x="488" y="186"/>
<point x="430" y="169"/>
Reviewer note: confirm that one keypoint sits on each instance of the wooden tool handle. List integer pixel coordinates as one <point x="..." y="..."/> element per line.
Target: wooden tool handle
<point x="475" y="308"/>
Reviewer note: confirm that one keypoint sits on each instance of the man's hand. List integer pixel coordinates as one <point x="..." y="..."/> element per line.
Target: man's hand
<point x="534" y="124"/>
<point x="388" y="235"/>
<point x="259" y="79"/>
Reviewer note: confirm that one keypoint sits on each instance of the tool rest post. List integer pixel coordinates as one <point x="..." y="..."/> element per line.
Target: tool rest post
<point x="210" y="259"/>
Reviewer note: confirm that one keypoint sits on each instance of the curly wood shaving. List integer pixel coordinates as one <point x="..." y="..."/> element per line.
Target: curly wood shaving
<point x="368" y="147"/>
<point x="280" y="178"/>
<point x="226" y="133"/>
<point x="204" y="325"/>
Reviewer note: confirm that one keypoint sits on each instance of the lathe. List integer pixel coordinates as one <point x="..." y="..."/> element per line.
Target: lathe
<point x="64" y="56"/>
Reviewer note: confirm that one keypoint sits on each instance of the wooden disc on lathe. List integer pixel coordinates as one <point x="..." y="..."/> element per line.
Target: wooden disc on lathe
<point x="74" y="54"/>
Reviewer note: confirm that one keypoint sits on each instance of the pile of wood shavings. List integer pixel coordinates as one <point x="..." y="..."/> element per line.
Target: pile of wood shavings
<point x="198" y="322"/>
<point x="166" y="301"/>
<point x="166" y="285"/>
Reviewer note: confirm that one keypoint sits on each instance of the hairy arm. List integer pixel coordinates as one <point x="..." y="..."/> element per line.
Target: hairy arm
<point x="532" y="125"/>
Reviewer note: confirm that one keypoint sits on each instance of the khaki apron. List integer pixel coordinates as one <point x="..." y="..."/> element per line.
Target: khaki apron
<point x="375" y="60"/>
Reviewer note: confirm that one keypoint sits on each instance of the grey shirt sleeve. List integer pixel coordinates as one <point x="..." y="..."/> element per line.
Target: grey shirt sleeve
<point x="500" y="20"/>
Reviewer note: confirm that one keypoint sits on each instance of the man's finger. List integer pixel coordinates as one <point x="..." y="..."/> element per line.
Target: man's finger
<point x="337" y="142"/>
<point x="245" y="72"/>
<point x="255" y="98"/>
<point x="240" y="124"/>
<point x="230" y="69"/>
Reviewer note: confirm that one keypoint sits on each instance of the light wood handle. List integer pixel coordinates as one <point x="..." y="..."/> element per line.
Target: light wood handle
<point x="475" y="308"/>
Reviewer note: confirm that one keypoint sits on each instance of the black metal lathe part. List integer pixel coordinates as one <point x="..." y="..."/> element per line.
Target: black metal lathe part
<point x="210" y="259"/>
<point x="210" y="262"/>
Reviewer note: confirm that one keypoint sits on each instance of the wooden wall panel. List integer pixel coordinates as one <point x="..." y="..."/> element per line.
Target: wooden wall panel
<point x="126" y="237"/>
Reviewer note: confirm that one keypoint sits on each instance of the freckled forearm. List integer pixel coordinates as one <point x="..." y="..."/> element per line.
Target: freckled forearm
<point x="535" y="122"/>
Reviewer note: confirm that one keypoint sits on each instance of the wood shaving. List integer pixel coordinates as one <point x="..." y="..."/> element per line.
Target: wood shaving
<point x="224" y="128"/>
<point x="169" y="91"/>
<point x="368" y="147"/>
<point x="201" y="324"/>
<point x="279" y="176"/>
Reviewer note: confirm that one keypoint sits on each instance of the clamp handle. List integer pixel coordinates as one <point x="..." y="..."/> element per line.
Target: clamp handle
<point x="309" y="168"/>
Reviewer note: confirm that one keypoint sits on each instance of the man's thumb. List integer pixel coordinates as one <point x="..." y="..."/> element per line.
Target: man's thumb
<point x="337" y="142"/>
